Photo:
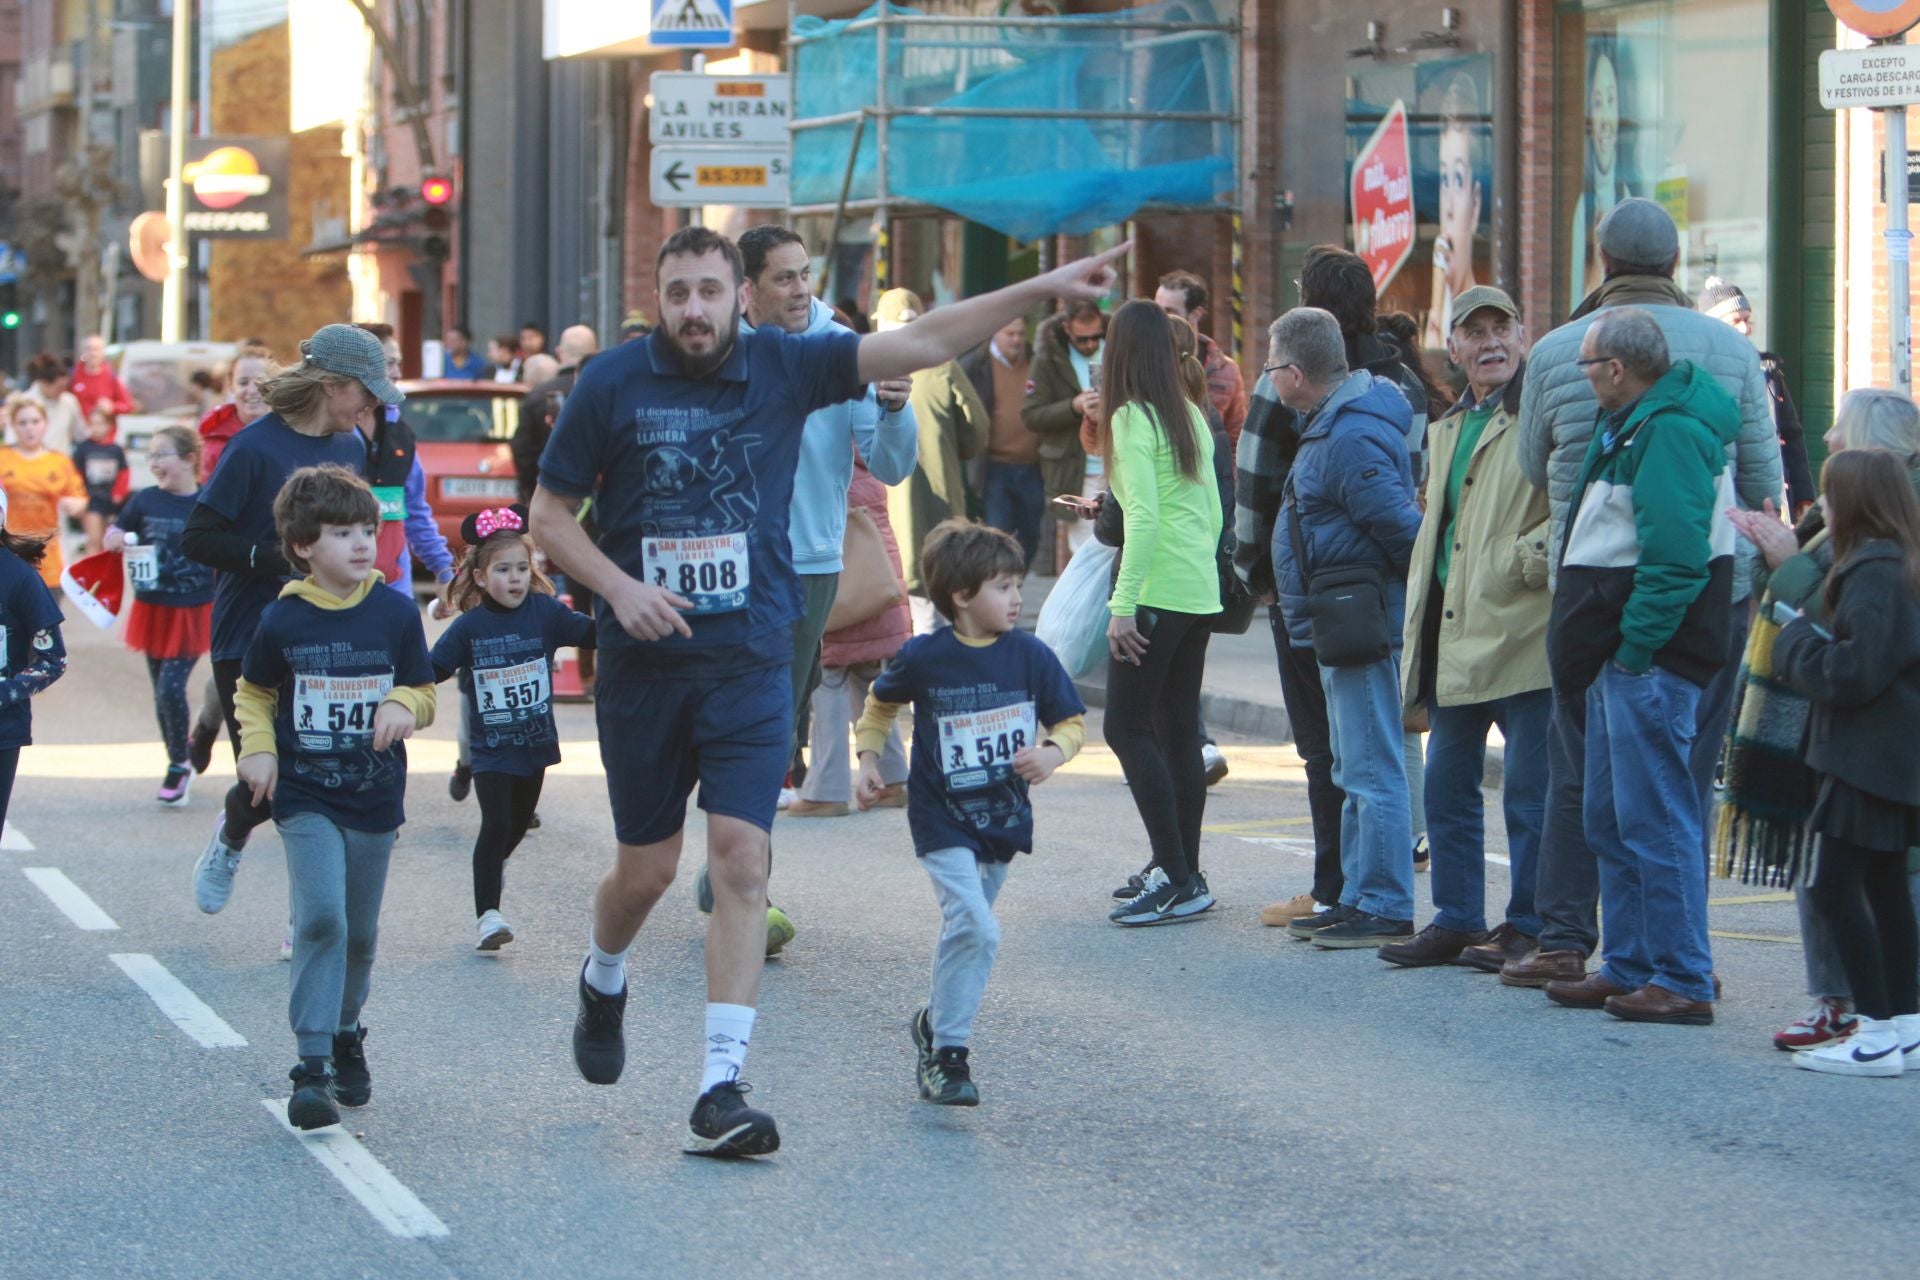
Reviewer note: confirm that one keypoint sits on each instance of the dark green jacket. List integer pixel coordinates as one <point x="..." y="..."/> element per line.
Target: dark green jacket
<point x="1049" y="413"/>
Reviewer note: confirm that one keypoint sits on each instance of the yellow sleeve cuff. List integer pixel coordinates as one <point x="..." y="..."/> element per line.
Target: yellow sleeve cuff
<point x="1069" y="735"/>
<point x="419" y="699"/>
<point x="876" y="722"/>
<point x="254" y="707"/>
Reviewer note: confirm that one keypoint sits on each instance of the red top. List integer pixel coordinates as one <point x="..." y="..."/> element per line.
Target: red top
<point x="216" y="429"/>
<point x="91" y="388"/>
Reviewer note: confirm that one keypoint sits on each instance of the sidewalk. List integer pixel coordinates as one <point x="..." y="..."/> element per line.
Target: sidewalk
<point x="1241" y="691"/>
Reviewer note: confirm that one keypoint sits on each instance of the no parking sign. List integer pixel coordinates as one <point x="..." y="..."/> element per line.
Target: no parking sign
<point x="1876" y="19"/>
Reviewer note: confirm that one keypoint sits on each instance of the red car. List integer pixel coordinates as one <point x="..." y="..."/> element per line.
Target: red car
<point x="463" y="429"/>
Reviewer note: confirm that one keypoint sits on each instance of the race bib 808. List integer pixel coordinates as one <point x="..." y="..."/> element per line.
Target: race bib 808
<point x="977" y="747"/>
<point x="335" y="713"/>
<point x="710" y="572"/>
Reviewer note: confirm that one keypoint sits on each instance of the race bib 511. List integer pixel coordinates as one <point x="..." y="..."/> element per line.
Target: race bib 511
<point x="143" y="566"/>
<point x="711" y="572"/>
<point x="977" y="747"/>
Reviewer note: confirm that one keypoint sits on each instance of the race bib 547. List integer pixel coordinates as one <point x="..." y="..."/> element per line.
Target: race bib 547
<point x="335" y="713"/>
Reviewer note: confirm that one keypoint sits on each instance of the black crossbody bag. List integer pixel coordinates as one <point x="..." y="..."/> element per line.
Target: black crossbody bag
<point x="1347" y="604"/>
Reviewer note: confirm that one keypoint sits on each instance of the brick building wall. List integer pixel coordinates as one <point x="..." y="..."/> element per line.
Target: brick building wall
<point x="1533" y="220"/>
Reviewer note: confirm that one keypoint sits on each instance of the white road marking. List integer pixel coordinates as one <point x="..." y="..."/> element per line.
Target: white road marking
<point x="13" y="841"/>
<point x="365" y="1178"/>
<point x="68" y="896"/>
<point x="188" y="1011"/>
<point x="1304" y="848"/>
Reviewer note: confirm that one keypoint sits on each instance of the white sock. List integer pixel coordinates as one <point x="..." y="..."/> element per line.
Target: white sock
<point x="606" y="971"/>
<point x="729" y="1027"/>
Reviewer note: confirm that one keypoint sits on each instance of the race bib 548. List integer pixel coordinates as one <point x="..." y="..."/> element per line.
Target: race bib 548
<point x="977" y="747"/>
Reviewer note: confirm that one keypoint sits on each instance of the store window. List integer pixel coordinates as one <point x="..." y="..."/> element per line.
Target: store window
<point x="1670" y="101"/>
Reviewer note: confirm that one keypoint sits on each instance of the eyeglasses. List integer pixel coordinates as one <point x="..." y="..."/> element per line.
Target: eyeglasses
<point x="1275" y="368"/>
<point x="161" y="457"/>
<point x="1586" y="364"/>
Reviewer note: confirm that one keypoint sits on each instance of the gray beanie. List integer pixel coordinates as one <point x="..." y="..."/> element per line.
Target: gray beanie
<point x="1720" y="298"/>
<point x="1638" y="234"/>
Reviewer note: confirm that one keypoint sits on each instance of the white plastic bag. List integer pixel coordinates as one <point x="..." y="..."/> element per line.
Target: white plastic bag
<point x="1073" y="621"/>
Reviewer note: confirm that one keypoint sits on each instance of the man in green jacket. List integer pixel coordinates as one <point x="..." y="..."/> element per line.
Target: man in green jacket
<point x="1061" y="398"/>
<point x="1640" y="621"/>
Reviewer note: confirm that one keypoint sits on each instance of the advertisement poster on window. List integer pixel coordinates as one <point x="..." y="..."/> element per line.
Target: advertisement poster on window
<point x="1622" y="100"/>
<point x="1450" y="105"/>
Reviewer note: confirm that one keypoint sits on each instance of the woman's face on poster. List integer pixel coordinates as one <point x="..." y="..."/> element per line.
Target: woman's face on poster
<point x="1603" y="115"/>
<point x="1459" y="195"/>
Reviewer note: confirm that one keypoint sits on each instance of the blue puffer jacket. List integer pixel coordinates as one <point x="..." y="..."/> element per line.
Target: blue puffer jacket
<point x="1354" y="485"/>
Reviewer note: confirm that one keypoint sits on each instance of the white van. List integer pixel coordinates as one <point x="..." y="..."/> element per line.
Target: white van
<point x="156" y="375"/>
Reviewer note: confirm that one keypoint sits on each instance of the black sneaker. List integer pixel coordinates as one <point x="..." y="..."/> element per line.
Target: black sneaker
<point x="1163" y="904"/>
<point x="724" y="1125"/>
<point x="460" y="785"/>
<point x="1135" y="883"/>
<point x="311" y="1106"/>
<point x="352" y="1082"/>
<point x="947" y="1081"/>
<point x="921" y="1029"/>
<point x="599" y="1041"/>
<point x="1362" y="929"/>
<point x="200" y="744"/>
<point x="1422" y="855"/>
<point x="533" y="823"/>
<point x="1307" y="926"/>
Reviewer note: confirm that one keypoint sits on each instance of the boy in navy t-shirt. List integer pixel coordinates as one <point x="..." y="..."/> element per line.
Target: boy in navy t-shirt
<point x="994" y="713"/>
<point x="336" y="679"/>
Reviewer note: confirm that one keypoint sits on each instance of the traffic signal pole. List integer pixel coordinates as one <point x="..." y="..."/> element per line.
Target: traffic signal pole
<point x="173" y="291"/>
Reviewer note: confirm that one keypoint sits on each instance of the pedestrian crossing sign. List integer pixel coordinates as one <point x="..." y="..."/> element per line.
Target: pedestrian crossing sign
<point x="692" y="24"/>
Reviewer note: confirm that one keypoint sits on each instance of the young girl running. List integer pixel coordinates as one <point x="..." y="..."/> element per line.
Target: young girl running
<point x="102" y="465"/>
<point x="31" y="653"/>
<point x="1864" y="681"/>
<point x="169" y="619"/>
<point x="41" y="486"/>
<point x="502" y="645"/>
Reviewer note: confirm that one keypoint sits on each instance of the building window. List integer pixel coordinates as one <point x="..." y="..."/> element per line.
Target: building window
<point x="1670" y="101"/>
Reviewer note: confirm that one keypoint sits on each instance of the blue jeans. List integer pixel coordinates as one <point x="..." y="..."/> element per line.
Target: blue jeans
<point x="1456" y="827"/>
<point x="1643" y="821"/>
<point x="1016" y="502"/>
<point x="1369" y="766"/>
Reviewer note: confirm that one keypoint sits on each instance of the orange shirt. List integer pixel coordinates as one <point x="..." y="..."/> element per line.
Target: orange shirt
<point x="34" y="488"/>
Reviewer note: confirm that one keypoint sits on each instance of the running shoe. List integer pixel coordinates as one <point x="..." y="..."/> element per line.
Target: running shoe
<point x="175" y="786"/>
<point x="1322" y="918"/>
<point x="286" y="945"/>
<point x="1214" y="761"/>
<point x="311" y="1106"/>
<point x="214" y="871"/>
<point x="1134" y="886"/>
<point x="1422" y="855"/>
<point x="779" y="930"/>
<point x="492" y="931"/>
<point x="921" y="1029"/>
<point x="1872" y="1050"/>
<point x="787" y="796"/>
<point x="703" y="892"/>
<point x="352" y="1082"/>
<point x="200" y="745"/>
<point x="1164" y="903"/>
<point x="947" y="1081"/>
<point x="599" y="1037"/>
<point x="460" y="784"/>
<point x="723" y="1125"/>
<point x="1830" y="1019"/>
<point x="533" y="823"/>
<point x="1363" y="930"/>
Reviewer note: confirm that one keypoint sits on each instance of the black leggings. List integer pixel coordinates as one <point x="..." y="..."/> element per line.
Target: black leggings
<point x="1153" y="726"/>
<point x="169" y="676"/>
<point x="507" y="802"/>
<point x="1863" y="896"/>
<point x="9" y="765"/>
<point x="243" y="815"/>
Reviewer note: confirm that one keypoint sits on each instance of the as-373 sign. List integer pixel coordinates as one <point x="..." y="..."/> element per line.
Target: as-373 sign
<point x="1877" y="19"/>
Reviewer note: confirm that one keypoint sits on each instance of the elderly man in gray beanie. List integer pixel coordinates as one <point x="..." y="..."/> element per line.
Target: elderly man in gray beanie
<point x="1639" y="252"/>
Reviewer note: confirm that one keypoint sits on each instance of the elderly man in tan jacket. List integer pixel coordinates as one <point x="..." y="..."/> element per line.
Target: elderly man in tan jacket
<point x="1476" y="644"/>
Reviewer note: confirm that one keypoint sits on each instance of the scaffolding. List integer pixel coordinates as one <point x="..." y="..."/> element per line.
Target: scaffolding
<point x="1033" y="126"/>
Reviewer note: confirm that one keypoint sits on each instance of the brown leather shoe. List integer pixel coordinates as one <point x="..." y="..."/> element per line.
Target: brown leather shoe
<point x="1591" y="992"/>
<point x="1538" y="968"/>
<point x="1504" y="944"/>
<point x="892" y="796"/>
<point x="1432" y="945"/>
<point x="1654" y="1003"/>
<point x="817" y="809"/>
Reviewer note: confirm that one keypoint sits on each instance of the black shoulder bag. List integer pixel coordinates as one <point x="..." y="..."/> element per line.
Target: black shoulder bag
<point x="1346" y="604"/>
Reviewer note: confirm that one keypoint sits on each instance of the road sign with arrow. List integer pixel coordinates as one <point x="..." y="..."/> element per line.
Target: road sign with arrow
<point x="750" y="177"/>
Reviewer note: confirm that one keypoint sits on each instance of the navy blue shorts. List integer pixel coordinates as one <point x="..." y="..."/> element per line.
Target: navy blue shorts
<point x="658" y="737"/>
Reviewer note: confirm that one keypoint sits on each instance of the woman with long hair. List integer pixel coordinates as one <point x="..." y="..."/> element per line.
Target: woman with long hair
<point x="1159" y="459"/>
<point x="1863" y="676"/>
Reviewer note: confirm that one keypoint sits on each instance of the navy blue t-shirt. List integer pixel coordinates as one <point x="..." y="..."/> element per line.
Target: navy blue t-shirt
<point x="29" y="633"/>
<point x="156" y="570"/>
<point x="691" y="480"/>
<point x="253" y="468"/>
<point x="333" y="668"/>
<point x="99" y="465"/>
<point x="974" y="709"/>
<point x="505" y="660"/>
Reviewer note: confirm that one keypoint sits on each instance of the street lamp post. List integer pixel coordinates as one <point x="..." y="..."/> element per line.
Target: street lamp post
<point x="173" y="294"/>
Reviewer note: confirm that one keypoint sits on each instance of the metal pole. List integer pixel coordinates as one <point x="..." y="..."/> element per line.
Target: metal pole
<point x="840" y="210"/>
<point x="882" y="216"/>
<point x="1899" y="246"/>
<point x="173" y="293"/>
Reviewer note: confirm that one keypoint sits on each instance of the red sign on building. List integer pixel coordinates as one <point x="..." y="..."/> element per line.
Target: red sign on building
<point x="1381" y="190"/>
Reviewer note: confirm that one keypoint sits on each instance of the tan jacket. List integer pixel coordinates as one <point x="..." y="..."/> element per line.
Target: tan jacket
<point x="953" y="427"/>
<point x="1492" y="630"/>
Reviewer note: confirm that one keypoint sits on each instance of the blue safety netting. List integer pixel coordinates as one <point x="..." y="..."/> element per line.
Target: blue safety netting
<point x="1059" y="173"/>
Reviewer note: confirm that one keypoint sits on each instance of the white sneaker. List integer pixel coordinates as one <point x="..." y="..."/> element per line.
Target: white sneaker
<point x="1873" y="1050"/>
<point x="213" y="873"/>
<point x="1214" y="761"/>
<point x="787" y="796"/>
<point x="1907" y="1028"/>
<point x="493" y="932"/>
<point x="286" y="944"/>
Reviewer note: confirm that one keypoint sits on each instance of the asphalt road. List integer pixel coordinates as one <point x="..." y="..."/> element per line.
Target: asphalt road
<point x="1204" y="1099"/>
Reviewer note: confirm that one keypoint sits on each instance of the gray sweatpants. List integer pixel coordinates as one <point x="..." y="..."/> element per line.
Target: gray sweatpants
<point x="969" y="940"/>
<point x="1826" y="976"/>
<point x="335" y="879"/>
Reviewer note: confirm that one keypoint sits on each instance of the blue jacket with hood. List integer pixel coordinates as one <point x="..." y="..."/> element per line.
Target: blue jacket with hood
<point x="1354" y="485"/>
<point x="889" y="443"/>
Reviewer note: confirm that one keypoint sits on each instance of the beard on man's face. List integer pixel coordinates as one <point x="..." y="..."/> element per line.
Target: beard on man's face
<point x="700" y="364"/>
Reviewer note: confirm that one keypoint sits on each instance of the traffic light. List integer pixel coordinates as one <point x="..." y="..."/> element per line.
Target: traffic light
<point x="436" y="190"/>
<point x="9" y="319"/>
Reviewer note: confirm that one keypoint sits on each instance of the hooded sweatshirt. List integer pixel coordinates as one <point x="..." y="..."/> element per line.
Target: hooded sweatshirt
<point x="318" y="670"/>
<point x="1647" y="574"/>
<point x="889" y="443"/>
